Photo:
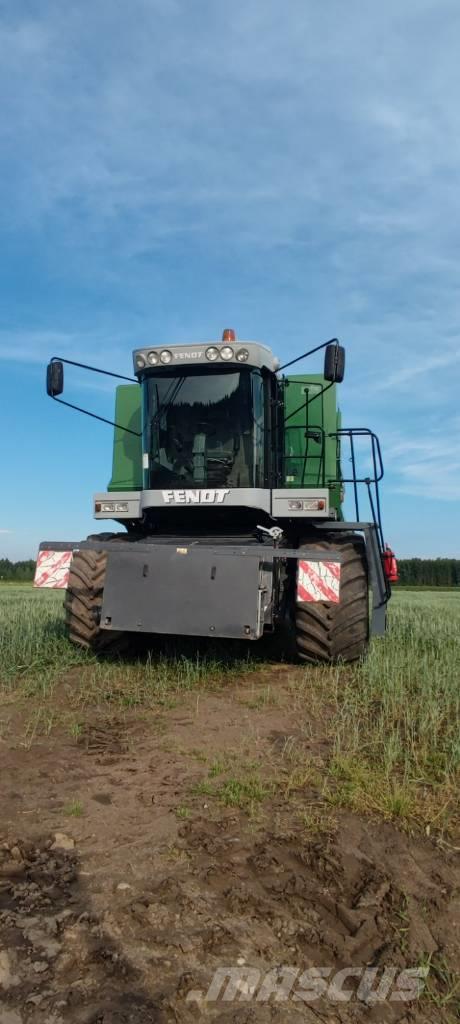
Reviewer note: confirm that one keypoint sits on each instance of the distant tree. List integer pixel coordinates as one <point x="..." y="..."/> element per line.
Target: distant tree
<point x="20" y="572"/>
<point x="429" y="572"/>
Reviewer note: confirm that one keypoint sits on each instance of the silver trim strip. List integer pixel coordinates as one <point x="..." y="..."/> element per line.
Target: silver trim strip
<point x="273" y="502"/>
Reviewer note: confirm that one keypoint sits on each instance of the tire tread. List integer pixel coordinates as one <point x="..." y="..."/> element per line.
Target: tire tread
<point x="327" y="632"/>
<point x="83" y="603"/>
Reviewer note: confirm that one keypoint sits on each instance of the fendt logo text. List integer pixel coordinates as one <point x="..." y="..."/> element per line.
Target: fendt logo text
<point x="200" y="497"/>
<point x="188" y="355"/>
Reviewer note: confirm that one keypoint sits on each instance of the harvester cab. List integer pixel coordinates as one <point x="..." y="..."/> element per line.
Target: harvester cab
<point x="228" y="480"/>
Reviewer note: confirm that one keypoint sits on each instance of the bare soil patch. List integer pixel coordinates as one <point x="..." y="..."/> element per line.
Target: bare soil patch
<point x="197" y="837"/>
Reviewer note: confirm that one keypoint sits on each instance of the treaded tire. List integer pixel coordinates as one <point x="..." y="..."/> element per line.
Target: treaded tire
<point x="83" y="603"/>
<point x="327" y="632"/>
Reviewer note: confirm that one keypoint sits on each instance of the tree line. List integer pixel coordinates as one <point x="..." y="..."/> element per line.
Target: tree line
<point x="19" y="572"/>
<point x="429" y="572"/>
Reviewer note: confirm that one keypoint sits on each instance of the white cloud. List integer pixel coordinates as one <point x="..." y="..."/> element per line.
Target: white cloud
<point x="166" y="163"/>
<point x="122" y="111"/>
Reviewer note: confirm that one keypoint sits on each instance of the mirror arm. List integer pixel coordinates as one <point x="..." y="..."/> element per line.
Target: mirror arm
<point x="332" y="341"/>
<point x="94" y="369"/>
<point x="95" y="417"/>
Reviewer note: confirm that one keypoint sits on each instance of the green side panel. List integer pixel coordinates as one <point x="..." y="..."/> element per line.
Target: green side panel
<point x="312" y="458"/>
<point x="127" y="449"/>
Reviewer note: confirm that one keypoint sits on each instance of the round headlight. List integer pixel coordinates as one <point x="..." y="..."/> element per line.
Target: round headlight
<point x="140" y="362"/>
<point x="242" y="355"/>
<point x="226" y="352"/>
<point x="152" y="358"/>
<point x="212" y="353"/>
<point x="166" y="356"/>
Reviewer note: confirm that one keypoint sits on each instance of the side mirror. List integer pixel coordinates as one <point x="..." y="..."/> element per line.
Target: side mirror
<point x="54" y="378"/>
<point x="334" y="363"/>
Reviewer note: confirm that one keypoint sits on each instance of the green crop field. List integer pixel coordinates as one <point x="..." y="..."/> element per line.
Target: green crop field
<point x="393" y="720"/>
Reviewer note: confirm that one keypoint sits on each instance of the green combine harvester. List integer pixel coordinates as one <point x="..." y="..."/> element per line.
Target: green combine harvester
<point x="228" y="482"/>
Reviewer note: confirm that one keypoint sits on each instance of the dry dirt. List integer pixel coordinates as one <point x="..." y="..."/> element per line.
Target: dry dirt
<point x="160" y="883"/>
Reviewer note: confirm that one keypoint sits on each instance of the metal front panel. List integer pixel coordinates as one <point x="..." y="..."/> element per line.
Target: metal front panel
<point x="282" y="498"/>
<point x="195" y="497"/>
<point x="130" y="498"/>
<point x="184" y="591"/>
<point x="189" y="497"/>
<point x="274" y="502"/>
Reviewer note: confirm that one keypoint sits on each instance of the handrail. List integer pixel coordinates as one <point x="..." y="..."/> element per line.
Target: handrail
<point x="376" y="450"/>
<point x="371" y="482"/>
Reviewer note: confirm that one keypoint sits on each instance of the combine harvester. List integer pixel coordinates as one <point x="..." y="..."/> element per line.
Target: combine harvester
<point x="228" y="480"/>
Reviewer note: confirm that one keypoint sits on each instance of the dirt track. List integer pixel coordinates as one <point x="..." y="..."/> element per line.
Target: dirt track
<point x="162" y="884"/>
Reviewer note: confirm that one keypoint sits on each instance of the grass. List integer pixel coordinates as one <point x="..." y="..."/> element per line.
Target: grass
<point x="74" y="809"/>
<point x="245" y="789"/>
<point x="182" y="812"/>
<point x="394" y="719"/>
<point x="33" y="645"/>
<point x="442" y="985"/>
<point x="404" y="701"/>
<point x="156" y="679"/>
<point x="35" y="654"/>
<point x="315" y="822"/>
<point x="267" y="697"/>
<point x="392" y="722"/>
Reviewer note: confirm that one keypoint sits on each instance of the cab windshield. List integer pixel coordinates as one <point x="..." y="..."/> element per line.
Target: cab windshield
<point x="204" y="429"/>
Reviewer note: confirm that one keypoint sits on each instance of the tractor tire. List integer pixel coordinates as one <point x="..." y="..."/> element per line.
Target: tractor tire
<point x="328" y="632"/>
<point x="83" y="603"/>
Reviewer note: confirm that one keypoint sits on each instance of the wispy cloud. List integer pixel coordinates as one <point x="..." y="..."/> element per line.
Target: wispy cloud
<point x="406" y="376"/>
<point x="29" y="346"/>
<point x="426" y="466"/>
<point x="98" y="349"/>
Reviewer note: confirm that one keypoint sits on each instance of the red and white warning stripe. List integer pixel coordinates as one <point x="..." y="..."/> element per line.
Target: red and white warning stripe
<point x="52" y="569"/>
<point x="318" y="581"/>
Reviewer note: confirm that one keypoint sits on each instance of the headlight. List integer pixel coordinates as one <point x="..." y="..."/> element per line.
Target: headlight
<point x="166" y="356"/>
<point x="226" y="352"/>
<point x="111" y="506"/>
<point x="212" y="353"/>
<point x="308" y="505"/>
<point x="140" y="362"/>
<point x="153" y="358"/>
<point x="242" y="355"/>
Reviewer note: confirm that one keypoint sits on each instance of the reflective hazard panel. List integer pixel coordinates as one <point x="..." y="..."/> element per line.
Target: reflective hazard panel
<point x="52" y="569"/>
<point x="318" y="581"/>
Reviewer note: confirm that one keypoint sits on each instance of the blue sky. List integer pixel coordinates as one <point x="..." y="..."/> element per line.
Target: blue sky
<point x="291" y="170"/>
